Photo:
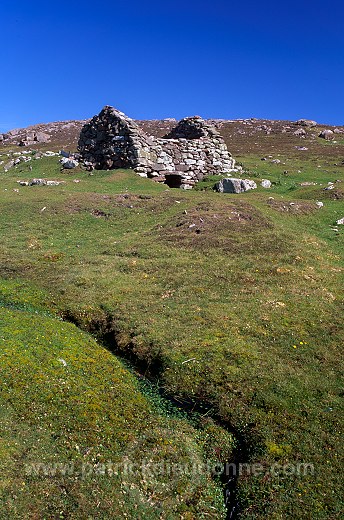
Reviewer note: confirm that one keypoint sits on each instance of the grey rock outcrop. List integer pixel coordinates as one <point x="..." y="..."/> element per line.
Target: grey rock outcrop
<point x="306" y="122"/>
<point x="192" y="149"/>
<point x="34" y="137"/>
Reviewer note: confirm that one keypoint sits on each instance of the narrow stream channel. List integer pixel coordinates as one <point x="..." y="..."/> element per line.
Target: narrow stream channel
<point x="148" y="379"/>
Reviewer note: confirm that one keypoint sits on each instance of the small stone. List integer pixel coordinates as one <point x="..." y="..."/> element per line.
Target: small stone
<point x="265" y="183"/>
<point x="38" y="182"/>
<point x="53" y="183"/>
<point x="9" y="165"/>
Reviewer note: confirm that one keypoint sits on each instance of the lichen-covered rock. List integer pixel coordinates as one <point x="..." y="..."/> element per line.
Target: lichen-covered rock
<point x="192" y="149"/>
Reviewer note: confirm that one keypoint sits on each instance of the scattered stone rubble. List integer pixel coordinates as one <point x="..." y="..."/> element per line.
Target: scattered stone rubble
<point x="192" y="149"/>
<point x="40" y="182"/>
<point x="17" y="158"/>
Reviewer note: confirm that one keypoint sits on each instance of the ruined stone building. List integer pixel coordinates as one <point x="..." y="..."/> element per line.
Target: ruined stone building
<point x="193" y="149"/>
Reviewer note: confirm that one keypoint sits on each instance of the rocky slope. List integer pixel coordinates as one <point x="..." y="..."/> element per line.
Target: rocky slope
<point x="242" y="136"/>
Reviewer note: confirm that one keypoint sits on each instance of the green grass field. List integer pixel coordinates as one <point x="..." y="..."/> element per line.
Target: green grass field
<point x="230" y="304"/>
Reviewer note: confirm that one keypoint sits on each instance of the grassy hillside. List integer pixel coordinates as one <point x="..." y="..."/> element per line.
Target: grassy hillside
<point x="229" y="303"/>
<point x="78" y="437"/>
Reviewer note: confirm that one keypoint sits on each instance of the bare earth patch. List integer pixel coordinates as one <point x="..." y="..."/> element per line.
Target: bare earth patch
<point x="229" y="226"/>
<point x="295" y="208"/>
<point x="96" y="202"/>
<point x="335" y="194"/>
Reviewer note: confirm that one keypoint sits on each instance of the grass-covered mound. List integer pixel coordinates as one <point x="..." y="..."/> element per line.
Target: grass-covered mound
<point x="231" y="303"/>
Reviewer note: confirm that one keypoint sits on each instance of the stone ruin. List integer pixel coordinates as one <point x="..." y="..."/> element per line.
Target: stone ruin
<point x="193" y="149"/>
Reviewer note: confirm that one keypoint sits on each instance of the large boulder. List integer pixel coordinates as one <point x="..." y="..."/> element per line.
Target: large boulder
<point x="326" y="134"/>
<point x="230" y="185"/>
<point x="300" y="132"/>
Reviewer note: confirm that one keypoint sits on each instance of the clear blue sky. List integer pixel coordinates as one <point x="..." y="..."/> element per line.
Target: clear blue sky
<point x="171" y="58"/>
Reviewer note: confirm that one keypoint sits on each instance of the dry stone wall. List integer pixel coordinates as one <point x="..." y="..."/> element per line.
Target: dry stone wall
<point x="192" y="149"/>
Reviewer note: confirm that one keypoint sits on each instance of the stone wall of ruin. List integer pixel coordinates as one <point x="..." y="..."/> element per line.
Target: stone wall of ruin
<point x="191" y="150"/>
